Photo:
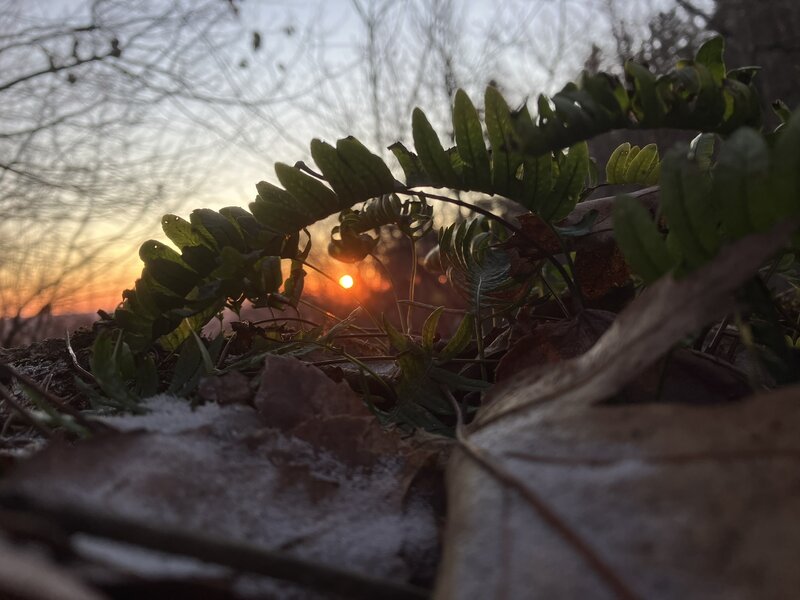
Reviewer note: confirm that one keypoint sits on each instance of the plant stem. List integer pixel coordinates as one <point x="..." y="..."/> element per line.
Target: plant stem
<point x="294" y="319"/>
<point x="26" y="416"/>
<point x="240" y="556"/>
<point x="412" y="284"/>
<point x="388" y="275"/>
<point x="572" y="283"/>
<point x="556" y="297"/>
<point x="513" y="228"/>
<point x="474" y="208"/>
<point x="415" y="304"/>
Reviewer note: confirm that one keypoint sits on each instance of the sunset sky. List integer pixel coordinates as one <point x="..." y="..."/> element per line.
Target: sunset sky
<point x="310" y="77"/>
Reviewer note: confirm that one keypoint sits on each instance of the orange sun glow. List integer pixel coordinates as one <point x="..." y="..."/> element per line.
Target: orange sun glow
<point x="346" y="281"/>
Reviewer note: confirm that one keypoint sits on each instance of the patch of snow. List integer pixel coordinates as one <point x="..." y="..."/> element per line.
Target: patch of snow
<point x="170" y="414"/>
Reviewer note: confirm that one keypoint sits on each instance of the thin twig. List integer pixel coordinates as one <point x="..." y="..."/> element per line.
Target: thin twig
<point x="293" y="319"/>
<point x="57" y="403"/>
<point x="412" y="284"/>
<point x="416" y="304"/>
<point x="388" y="275"/>
<point x="75" y="362"/>
<point x="239" y="556"/>
<point x="26" y="416"/>
<point x="712" y="346"/>
<point x="473" y="207"/>
<point x="556" y="297"/>
<point x="335" y="361"/>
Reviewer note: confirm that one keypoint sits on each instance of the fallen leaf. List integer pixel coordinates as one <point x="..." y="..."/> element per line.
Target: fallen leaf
<point x="552" y="495"/>
<point x="301" y="400"/>
<point x="552" y="342"/>
<point x="674" y="501"/>
<point x="218" y="471"/>
<point x="601" y="270"/>
<point x="25" y="575"/>
<point x="646" y="330"/>
<point x="683" y="376"/>
<point x="229" y="388"/>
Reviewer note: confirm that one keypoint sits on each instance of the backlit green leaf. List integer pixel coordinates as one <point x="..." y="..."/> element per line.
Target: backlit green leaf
<point x="639" y="239"/>
<point x="430" y="151"/>
<point x="469" y="140"/>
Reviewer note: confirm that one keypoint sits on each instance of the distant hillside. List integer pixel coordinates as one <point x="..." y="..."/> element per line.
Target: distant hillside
<point x="16" y="332"/>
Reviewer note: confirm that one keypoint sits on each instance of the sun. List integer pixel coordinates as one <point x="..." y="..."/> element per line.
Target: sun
<point x="346" y="281"/>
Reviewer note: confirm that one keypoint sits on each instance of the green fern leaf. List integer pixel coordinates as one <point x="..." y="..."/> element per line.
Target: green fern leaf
<point x="429" y="328"/>
<point x="537" y="180"/>
<point x="710" y="55"/>
<point x="641" y="165"/>
<point x="317" y="199"/>
<point x="617" y="163"/>
<point x="568" y="185"/>
<point x="647" y="105"/>
<point x="434" y="159"/>
<point x="469" y="141"/>
<point x="277" y="210"/>
<point x="785" y="176"/>
<point x="412" y="166"/>
<point x="478" y="270"/>
<point x="687" y="206"/>
<point x="367" y="167"/>
<point x="640" y="241"/>
<point x="500" y="132"/>
<point x="741" y="179"/>
<point x="167" y="267"/>
<point x="338" y="173"/>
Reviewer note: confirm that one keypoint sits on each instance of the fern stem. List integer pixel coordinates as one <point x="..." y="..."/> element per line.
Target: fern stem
<point x="423" y="305"/>
<point x="556" y="297"/>
<point x="511" y="227"/>
<point x="479" y="331"/>
<point x="388" y="275"/>
<point x="294" y="319"/>
<point x="473" y="207"/>
<point x="573" y="284"/>
<point x="411" y="284"/>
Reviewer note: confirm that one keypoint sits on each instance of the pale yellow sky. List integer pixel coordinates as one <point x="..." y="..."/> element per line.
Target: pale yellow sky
<point x="325" y="93"/>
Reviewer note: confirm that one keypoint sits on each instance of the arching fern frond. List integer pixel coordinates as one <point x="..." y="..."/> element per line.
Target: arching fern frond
<point x="632" y="164"/>
<point x="349" y="242"/>
<point x="233" y="255"/>
<point x="751" y="188"/>
<point x="477" y="269"/>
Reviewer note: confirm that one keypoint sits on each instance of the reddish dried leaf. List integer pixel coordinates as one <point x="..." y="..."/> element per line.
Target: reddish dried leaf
<point x="554" y="342"/>
<point x="601" y="270"/>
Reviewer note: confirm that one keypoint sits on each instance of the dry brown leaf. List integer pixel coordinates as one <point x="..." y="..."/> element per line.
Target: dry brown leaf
<point x="646" y="330"/>
<point x="555" y="496"/>
<point x="552" y="342"/>
<point x="683" y="376"/>
<point x="302" y="400"/>
<point x="601" y="270"/>
<point x="677" y="501"/>
<point x="26" y="576"/>
<point x="219" y="472"/>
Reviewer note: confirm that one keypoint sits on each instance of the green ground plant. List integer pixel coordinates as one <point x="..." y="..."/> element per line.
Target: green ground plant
<point x="734" y="179"/>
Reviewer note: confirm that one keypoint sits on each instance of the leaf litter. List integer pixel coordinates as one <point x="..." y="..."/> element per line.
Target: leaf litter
<point x="344" y="496"/>
<point x="576" y="498"/>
